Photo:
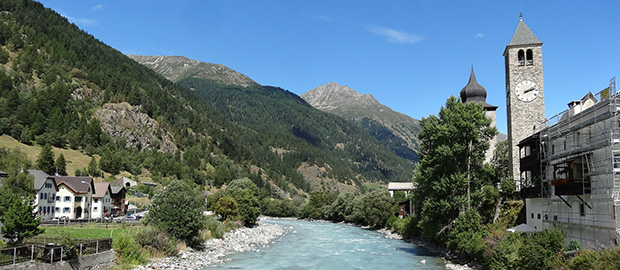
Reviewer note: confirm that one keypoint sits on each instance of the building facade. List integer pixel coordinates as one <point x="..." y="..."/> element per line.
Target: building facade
<point x="102" y="201"/>
<point x="45" y="197"/>
<point x="74" y="196"/>
<point x="571" y="171"/>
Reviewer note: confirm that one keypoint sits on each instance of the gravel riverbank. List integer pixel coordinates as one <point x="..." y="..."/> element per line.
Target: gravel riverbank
<point x="240" y="240"/>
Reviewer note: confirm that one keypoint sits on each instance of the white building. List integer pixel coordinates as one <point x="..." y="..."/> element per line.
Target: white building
<point x="570" y="171"/>
<point x="400" y="186"/>
<point x="102" y="201"/>
<point x="74" y="196"/>
<point x="45" y="188"/>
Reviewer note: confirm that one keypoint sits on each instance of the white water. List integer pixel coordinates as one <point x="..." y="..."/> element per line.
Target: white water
<point x="323" y="245"/>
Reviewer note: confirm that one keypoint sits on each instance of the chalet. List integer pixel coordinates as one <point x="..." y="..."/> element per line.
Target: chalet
<point x="404" y="208"/>
<point x="74" y="196"/>
<point x="117" y="195"/>
<point x="45" y="198"/>
<point x="102" y="200"/>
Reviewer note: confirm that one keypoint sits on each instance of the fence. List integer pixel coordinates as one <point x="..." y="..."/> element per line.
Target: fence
<point x="48" y="250"/>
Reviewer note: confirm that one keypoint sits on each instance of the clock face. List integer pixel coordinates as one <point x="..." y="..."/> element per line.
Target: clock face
<point x="526" y="90"/>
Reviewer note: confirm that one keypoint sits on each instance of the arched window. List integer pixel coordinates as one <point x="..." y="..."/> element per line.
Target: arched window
<point x="521" y="58"/>
<point x="529" y="57"/>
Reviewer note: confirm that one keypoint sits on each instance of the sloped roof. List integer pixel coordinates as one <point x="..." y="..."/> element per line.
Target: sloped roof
<point x="474" y="92"/>
<point x="523" y="35"/>
<point x="3" y="174"/>
<point x="39" y="178"/>
<point x="400" y="186"/>
<point x="79" y="184"/>
<point x="116" y="189"/>
<point x="101" y="189"/>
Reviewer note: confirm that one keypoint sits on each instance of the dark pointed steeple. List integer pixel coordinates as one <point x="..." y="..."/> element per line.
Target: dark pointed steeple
<point x="474" y="92"/>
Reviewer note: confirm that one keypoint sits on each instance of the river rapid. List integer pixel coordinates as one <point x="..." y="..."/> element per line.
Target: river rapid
<point x="324" y="245"/>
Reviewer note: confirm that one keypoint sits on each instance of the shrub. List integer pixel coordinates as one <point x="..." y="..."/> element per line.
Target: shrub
<point x="506" y="254"/>
<point x="541" y="250"/>
<point x="129" y="249"/>
<point x="215" y="227"/>
<point x="573" y="245"/>
<point x="157" y="241"/>
<point x="584" y="260"/>
<point x="466" y="236"/>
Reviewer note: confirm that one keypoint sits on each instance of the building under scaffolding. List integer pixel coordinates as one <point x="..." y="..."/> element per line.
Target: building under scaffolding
<point x="570" y="171"/>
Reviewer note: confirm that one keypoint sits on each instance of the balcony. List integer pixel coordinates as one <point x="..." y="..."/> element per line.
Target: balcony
<point x="533" y="191"/>
<point x="572" y="187"/>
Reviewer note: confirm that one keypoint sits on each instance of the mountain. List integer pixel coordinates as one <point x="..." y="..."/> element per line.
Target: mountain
<point x="62" y="86"/>
<point x="393" y="129"/>
<point x="177" y="67"/>
<point x="325" y="148"/>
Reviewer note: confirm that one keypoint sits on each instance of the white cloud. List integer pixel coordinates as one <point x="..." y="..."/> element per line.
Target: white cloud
<point x="82" y="21"/>
<point x="479" y="35"/>
<point x="395" y="36"/>
<point x="97" y="7"/>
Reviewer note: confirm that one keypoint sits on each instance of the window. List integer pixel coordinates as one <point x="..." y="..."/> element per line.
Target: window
<point x="521" y="56"/>
<point x="532" y="215"/>
<point x="538" y="216"/>
<point x="582" y="210"/>
<point x="45" y="196"/>
<point x="95" y="209"/>
<point x="66" y="210"/>
<point x="96" y="200"/>
<point x="58" y="198"/>
<point x="529" y="57"/>
<point x="57" y="209"/>
<point x="41" y="196"/>
<point x="78" y="198"/>
<point x="67" y="199"/>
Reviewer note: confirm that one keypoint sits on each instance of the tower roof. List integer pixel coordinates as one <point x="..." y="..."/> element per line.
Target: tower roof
<point x="523" y="35"/>
<point x="474" y="92"/>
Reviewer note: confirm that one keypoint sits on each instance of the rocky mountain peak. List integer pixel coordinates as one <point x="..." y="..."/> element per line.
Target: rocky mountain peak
<point x="175" y="68"/>
<point x="330" y="96"/>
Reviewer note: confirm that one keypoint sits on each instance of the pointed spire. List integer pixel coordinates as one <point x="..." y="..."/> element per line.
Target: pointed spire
<point x="523" y="35"/>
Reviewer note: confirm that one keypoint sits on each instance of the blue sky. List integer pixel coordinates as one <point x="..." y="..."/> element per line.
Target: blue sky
<point x="410" y="55"/>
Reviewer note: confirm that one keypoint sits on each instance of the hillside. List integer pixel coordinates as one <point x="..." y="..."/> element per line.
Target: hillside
<point x="63" y="87"/>
<point x="395" y="130"/>
<point x="316" y="141"/>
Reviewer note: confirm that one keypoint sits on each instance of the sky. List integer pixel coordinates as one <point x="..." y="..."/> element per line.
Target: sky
<point x="410" y="55"/>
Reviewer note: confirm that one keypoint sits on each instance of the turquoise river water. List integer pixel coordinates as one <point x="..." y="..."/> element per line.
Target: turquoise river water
<point x="323" y="245"/>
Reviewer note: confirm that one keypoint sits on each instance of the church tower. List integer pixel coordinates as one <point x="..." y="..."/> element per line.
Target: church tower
<point x="474" y="92"/>
<point x="525" y="99"/>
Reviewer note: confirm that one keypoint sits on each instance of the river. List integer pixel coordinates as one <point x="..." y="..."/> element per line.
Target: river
<point x="324" y="245"/>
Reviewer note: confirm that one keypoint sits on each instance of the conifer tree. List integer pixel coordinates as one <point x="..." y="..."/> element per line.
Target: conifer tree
<point x="19" y="221"/>
<point x="45" y="162"/>
<point x="450" y="175"/>
<point x="61" y="165"/>
<point x="93" y="169"/>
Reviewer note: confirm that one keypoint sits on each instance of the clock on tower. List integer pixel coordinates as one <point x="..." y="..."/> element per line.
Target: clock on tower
<point x="525" y="99"/>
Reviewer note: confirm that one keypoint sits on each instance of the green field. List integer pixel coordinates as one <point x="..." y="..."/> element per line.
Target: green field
<point x="92" y="231"/>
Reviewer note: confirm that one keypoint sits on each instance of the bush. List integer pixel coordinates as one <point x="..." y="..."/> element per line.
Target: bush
<point x="129" y="249"/>
<point x="541" y="251"/>
<point x="573" y="245"/>
<point x="215" y="227"/>
<point x="467" y="236"/>
<point x="584" y="260"/>
<point x="157" y="241"/>
<point x="506" y="254"/>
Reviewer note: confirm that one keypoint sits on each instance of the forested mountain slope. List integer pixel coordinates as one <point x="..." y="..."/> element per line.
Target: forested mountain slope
<point x="395" y="130"/>
<point x="61" y="86"/>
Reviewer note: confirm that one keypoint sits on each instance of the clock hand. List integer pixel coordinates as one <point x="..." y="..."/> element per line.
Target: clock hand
<point x="528" y="90"/>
